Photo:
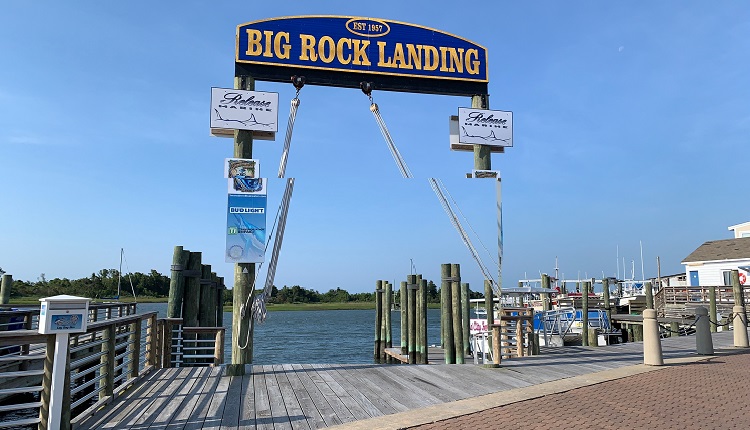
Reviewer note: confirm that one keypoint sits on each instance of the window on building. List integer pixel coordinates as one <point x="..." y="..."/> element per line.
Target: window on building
<point x="727" y="277"/>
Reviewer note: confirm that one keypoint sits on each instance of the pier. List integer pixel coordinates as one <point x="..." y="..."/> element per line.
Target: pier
<point x="310" y="396"/>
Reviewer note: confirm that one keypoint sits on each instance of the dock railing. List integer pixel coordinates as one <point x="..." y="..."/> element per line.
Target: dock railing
<point x="102" y="362"/>
<point x="181" y="346"/>
<point x="680" y="300"/>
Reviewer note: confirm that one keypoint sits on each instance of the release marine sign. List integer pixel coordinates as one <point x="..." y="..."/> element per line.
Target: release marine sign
<point x="363" y="45"/>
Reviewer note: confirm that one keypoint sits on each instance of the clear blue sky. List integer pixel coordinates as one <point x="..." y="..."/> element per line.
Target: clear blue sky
<point x="631" y="124"/>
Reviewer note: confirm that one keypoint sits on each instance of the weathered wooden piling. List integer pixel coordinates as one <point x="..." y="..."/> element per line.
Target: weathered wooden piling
<point x="191" y="301"/>
<point x="489" y="303"/>
<point x="739" y="298"/>
<point x="387" y="320"/>
<point x="465" y="317"/>
<point x="206" y="305"/>
<point x="411" y="289"/>
<point x="378" y="320"/>
<point x="419" y="321"/>
<point x="177" y="282"/>
<point x="5" y="286"/>
<point x="445" y="270"/>
<point x="425" y="348"/>
<point x="546" y="303"/>
<point x="456" y="310"/>
<point x="243" y="291"/>
<point x="449" y="347"/>
<point x="712" y="311"/>
<point x="585" y="314"/>
<point x="605" y="296"/>
<point x="403" y="300"/>
<point x="649" y="295"/>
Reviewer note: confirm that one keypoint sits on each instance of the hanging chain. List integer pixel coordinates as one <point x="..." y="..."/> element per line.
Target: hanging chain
<point x="367" y="88"/>
<point x="298" y="82"/>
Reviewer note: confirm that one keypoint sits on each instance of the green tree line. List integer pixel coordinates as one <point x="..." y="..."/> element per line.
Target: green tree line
<point x="102" y="284"/>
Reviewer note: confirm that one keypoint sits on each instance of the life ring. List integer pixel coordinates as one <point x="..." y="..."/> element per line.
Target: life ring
<point x="743" y="278"/>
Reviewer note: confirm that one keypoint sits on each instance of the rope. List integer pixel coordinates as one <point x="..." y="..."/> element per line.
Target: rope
<point x="403" y="168"/>
<point x="298" y="82"/>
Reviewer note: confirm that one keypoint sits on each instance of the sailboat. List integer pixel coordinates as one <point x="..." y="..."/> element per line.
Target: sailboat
<point x="119" y="280"/>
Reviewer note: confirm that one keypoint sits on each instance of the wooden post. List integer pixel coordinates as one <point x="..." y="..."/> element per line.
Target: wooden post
<point x="44" y="396"/>
<point x="456" y="310"/>
<point x="585" y="314"/>
<point x="649" y="295"/>
<point x="638" y="332"/>
<point x="206" y="305"/>
<point x="387" y="320"/>
<point x="135" y="351"/>
<point x="736" y="288"/>
<point x="191" y="300"/>
<point x="605" y="296"/>
<point x="220" y="302"/>
<point x="674" y="329"/>
<point x="177" y="282"/>
<point x="449" y="348"/>
<point x="378" y="320"/>
<point x="712" y="311"/>
<point x="412" y="317"/>
<point x="489" y="303"/>
<point x="546" y="305"/>
<point x="423" y="333"/>
<point x="497" y="349"/>
<point x="465" y="317"/>
<point x="5" y="286"/>
<point x="519" y="336"/>
<point x="482" y="159"/>
<point x="219" y="348"/>
<point x="445" y="273"/>
<point x="418" y="321"/>
<point x="244" y="273"/>
<point x="403" y="299"/>
<point x="151" y="340"/>
<point x="107" y="383"/>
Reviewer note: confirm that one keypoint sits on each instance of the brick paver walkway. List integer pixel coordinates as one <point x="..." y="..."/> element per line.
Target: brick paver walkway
<point x="704" y="395"/>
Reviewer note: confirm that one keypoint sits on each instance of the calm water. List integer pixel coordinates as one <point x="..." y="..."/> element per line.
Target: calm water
<point x="315" y="336"/>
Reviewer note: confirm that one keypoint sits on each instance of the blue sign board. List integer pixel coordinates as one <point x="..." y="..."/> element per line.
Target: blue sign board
<point x="362" y="45"/>
<point x="66" y="322"/>
<point x="246" y="228"/>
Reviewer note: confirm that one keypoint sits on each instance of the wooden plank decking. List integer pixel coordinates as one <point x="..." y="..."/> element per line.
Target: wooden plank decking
<point x="310" y="396"/>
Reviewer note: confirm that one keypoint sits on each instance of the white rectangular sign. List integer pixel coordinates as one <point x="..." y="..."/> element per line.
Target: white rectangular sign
<point x="244" y="110"/>
<point x="485" y="127"/>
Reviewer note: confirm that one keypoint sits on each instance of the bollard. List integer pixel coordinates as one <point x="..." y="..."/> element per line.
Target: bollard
<point x="740" y="327"/>
<point x="652" y="355"/>
<point x="704" y="345"/>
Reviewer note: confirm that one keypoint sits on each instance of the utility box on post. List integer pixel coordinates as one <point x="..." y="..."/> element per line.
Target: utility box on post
<point x="63" y="314"/>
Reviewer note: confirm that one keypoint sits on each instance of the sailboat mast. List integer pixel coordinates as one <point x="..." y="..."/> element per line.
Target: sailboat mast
<point x="119" y="274"/>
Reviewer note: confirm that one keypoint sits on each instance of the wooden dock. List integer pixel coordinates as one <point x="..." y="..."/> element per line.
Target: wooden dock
<point x="310" y="396"/>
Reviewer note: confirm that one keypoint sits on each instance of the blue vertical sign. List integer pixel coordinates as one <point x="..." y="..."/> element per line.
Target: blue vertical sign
<point x="246" y="228"/>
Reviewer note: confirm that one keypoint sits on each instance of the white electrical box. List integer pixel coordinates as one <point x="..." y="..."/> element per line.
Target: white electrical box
<point x="63" y="314"/>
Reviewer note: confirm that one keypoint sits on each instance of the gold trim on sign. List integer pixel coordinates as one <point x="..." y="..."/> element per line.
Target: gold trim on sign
<point x="346" y="25"/>
<point x="237" y="48"/>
